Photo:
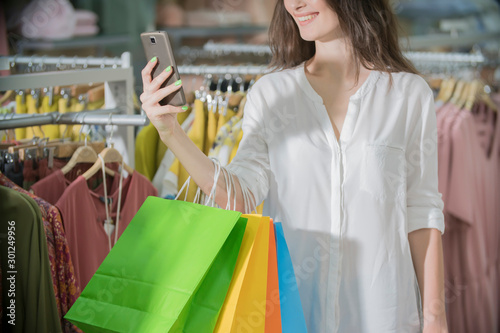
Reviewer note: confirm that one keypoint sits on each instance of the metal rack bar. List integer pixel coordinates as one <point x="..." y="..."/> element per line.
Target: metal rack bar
<point x="63" y="78"/>
<point x="118" y="87"/>
<point x="79" y="118"/>
<point x="413" y="56"/>
<point x="116" y="62"/>
<point x="221" y="70"/>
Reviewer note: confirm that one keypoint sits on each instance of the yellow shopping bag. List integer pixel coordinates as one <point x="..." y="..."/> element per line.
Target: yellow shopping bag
<point x="244" y="308"/>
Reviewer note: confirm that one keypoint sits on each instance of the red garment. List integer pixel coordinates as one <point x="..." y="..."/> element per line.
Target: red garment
<point x="52" y="187"/>
<point x="83" y="214"/>
<point x="470" y="203"/>
<point x="66" y="288"/>
<point x="454" y="258"/>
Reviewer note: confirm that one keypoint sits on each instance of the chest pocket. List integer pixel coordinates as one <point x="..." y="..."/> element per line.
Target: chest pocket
<point x="383" y="173"/>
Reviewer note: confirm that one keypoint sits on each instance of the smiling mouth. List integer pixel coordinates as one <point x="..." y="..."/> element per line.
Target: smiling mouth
<point x="305" y="19"/>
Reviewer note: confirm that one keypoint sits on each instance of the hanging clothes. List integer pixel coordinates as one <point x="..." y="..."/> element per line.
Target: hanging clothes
<point x="146" y="146"/>
<point x="50" y="131"/>
<point x="212" y="122"/>
<point x="467" y="179"/>
<point x="35" y="304"/>
<point x="164" y="180"/>
<point x="83" y="213"/>
<point x="66" y="289"/>
<point x="20" y="109"/>
<point x="197" y="135"/>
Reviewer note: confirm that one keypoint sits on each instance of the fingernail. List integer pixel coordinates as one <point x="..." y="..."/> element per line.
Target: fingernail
<point x="185" y="107"/>
<point x="168" y="69"/>
<point x="153" y="59"/>
<point x="178" y="83"/>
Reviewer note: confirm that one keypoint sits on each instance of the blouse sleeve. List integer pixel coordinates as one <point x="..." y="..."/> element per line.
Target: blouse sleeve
<point x="251" y="163"/>
<point x="424" y="203"/>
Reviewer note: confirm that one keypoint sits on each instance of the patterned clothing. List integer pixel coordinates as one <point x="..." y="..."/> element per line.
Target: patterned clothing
<point x="66" y="289"/>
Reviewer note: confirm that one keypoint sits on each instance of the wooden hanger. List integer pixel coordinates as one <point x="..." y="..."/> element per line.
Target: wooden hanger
<point x="8" y="95"/>
<point x="22" y="149"/>
<point x="109" y="155"/>
<point x="457" y="92"/>
<point x="96" y="94"/>
<point x="472" y="95"/>
<point x="84" y="154"/>
<point x="464" y="95"/>
<point x="447" y="90"/>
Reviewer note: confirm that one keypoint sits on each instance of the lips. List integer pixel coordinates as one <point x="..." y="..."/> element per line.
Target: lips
<point x="306" y="19"/>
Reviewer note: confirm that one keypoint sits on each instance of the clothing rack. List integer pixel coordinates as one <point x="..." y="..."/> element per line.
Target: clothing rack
<point x="11" y="61"/>
<point x="419" y="57"/>
<point x="95" y="117"/>
<point x="116" y="73"/>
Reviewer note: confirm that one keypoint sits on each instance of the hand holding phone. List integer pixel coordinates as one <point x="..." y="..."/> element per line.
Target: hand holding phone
<point x="157" y="44"/>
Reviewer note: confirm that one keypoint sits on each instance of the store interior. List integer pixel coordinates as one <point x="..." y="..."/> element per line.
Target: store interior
<point x="70" y="85"/>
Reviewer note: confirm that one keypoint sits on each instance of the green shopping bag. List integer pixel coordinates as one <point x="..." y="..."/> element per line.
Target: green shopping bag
<point x="168" y="272"/>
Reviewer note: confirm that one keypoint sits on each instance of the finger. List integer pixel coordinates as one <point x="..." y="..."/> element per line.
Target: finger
<point x="158" y="81"/>
<point x="146" y="72"/>
<point x="166" y="109"/>
<point x="160" y="94"/>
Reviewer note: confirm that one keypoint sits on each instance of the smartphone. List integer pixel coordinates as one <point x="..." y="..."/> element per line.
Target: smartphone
<point x="157" y="44"/>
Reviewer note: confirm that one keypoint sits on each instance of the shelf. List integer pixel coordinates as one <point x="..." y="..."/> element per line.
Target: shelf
<point x="176" y="35"/>
<point x="447" y="40"/>
<point x="99" y="41"/>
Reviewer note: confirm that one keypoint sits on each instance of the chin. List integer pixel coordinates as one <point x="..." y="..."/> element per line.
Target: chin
<point x="308" y="37"/>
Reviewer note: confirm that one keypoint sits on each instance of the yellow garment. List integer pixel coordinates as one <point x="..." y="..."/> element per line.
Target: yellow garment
<point x="77" y="106"/>
<point x="50" y="131"/>
<point x="32" y="109"/>
<point x="64" y="130"/>
<point x="182" y="116"/>
<point x="146" y="145"/>
<point x="223" y="119"/>
<point x="260" y="207"/>
<point x="236" y="145"/>
<point x="20" y="109"/>
<point x="162" y="147"/>
<point x="213" y="119"/>
<point x="197" y="135"/>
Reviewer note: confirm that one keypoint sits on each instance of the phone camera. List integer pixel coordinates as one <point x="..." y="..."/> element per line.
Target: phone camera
<point x="153" y="40"/>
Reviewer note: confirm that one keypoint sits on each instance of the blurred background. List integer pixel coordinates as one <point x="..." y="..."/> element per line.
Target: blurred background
<point x="70" y="81"/>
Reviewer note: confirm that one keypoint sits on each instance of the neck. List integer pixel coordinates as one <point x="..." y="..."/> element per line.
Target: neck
<point x="333" y="58"/>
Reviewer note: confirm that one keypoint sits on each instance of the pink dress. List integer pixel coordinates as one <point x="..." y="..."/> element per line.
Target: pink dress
<point x="83" y="214"/>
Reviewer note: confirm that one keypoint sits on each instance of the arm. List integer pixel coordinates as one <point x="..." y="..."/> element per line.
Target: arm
<point x="199" y="166"/>
<point x="425" y="209"/>
<point x="427" y="253"/>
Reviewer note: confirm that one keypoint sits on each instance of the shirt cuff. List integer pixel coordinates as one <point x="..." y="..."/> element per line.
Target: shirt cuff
<point x="249" y="179"/>
<point x="425" y="218"/>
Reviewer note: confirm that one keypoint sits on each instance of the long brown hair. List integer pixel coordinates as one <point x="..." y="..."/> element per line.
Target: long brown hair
<point x="371" y="28"/>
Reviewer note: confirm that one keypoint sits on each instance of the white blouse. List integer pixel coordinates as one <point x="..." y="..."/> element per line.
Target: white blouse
<point x="346" y="206"/>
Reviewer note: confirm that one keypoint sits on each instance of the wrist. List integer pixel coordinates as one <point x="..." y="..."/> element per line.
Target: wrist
<point x="170" y="133"/>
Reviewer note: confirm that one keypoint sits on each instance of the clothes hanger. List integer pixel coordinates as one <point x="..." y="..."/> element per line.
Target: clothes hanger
<point x="472" y="95"/>
<point x="7" y="96"/>
<point x="83" y="154"/>
<point x="96" y="94"/>
<point x="109" y="155"/>
<point x="446" y="90"/>
<point x="459" y="87"/>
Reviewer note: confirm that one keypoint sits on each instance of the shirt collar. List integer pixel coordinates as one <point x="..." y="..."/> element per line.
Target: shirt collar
<point x="315" y="97"/>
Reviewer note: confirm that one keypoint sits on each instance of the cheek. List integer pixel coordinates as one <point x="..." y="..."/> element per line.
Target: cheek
<point x="288" y="6"/>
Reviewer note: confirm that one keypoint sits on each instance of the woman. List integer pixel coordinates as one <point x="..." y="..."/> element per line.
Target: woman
<point x="341" y="142"/>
